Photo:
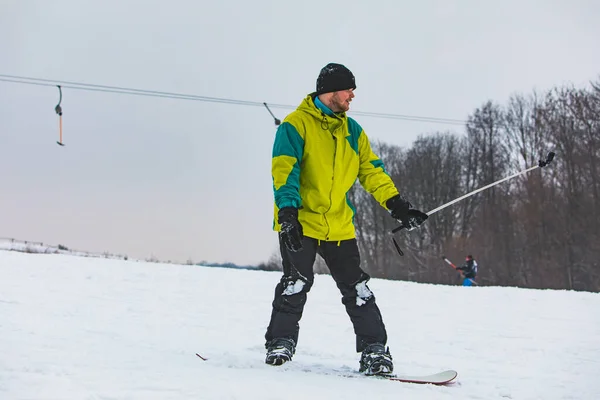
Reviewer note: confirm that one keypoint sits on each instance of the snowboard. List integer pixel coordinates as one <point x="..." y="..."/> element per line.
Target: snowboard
<point x="440" y="378"/>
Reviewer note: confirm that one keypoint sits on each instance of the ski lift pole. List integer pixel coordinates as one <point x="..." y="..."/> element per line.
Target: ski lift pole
<point x="449" y="262"/>
<point x="277" y="120"/>
<point x="541" y="164"/>
<point x="58" y="110"/>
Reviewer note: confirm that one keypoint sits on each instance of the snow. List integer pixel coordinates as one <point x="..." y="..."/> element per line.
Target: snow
<point x="38" y="247"/>
<point x="95" y="328"/>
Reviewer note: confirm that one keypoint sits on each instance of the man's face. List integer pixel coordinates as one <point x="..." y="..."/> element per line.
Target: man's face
<point x="340" y="100"/>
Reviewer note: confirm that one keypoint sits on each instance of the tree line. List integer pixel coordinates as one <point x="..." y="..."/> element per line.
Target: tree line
<point x="538" y="230"/>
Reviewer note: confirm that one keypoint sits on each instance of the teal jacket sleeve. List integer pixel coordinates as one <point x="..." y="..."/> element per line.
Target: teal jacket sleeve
<point x="288" y="150"/>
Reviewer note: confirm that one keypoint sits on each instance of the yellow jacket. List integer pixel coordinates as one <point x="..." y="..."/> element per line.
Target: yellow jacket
<point x="317" y="156"/>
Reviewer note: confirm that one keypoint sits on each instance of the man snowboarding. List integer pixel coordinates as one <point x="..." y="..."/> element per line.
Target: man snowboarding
<point x="469" y="270"/>
<point x="318" y="154"/>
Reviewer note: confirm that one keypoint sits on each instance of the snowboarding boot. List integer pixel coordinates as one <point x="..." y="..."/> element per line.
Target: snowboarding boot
<point x="376" y="360"/>
<point x="280" y="351"/>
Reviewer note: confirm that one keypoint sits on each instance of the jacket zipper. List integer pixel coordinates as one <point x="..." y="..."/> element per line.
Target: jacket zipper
<point x="335" y="142"/>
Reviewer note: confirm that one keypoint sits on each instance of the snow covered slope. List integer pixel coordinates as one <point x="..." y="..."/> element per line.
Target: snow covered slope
<point x="92" y="328"/>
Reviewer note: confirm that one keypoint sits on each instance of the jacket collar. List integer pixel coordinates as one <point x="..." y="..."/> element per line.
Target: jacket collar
<point x="321" y="106"/>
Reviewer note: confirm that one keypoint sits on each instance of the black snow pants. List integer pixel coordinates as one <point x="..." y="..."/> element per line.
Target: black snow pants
<point x="343" y="260"/>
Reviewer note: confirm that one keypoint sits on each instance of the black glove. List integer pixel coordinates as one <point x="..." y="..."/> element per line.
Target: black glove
<point x="291" y="230"/>
<point x="402" y="210"/>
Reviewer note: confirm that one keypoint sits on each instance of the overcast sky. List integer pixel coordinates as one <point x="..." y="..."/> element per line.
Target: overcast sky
<point x="180" y="180"/>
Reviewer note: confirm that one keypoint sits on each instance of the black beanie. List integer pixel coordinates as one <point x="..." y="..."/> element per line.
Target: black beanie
<point x="334" y="77"/>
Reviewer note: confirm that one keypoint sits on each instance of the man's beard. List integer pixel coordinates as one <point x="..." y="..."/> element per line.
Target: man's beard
<point x="340" y="106"/>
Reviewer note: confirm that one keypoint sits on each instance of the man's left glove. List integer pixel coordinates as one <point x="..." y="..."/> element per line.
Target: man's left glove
<point x="291" y="230"/>
<point x="402" y="210"/>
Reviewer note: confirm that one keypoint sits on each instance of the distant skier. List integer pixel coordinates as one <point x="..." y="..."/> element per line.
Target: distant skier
<point x="318" y="154"/>
<point x="469" y="270"/>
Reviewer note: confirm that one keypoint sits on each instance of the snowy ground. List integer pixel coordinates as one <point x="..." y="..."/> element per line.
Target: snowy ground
<point x="92" y="328"/>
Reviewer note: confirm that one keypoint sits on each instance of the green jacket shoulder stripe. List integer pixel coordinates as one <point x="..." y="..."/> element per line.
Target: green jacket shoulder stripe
<point x="288" y="142"/>
<point x="355" y="131"/>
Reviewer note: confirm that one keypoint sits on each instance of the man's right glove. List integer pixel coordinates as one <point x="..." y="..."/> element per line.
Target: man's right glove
<point x="402" y="210"/>
<point x="291" y="230"/>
